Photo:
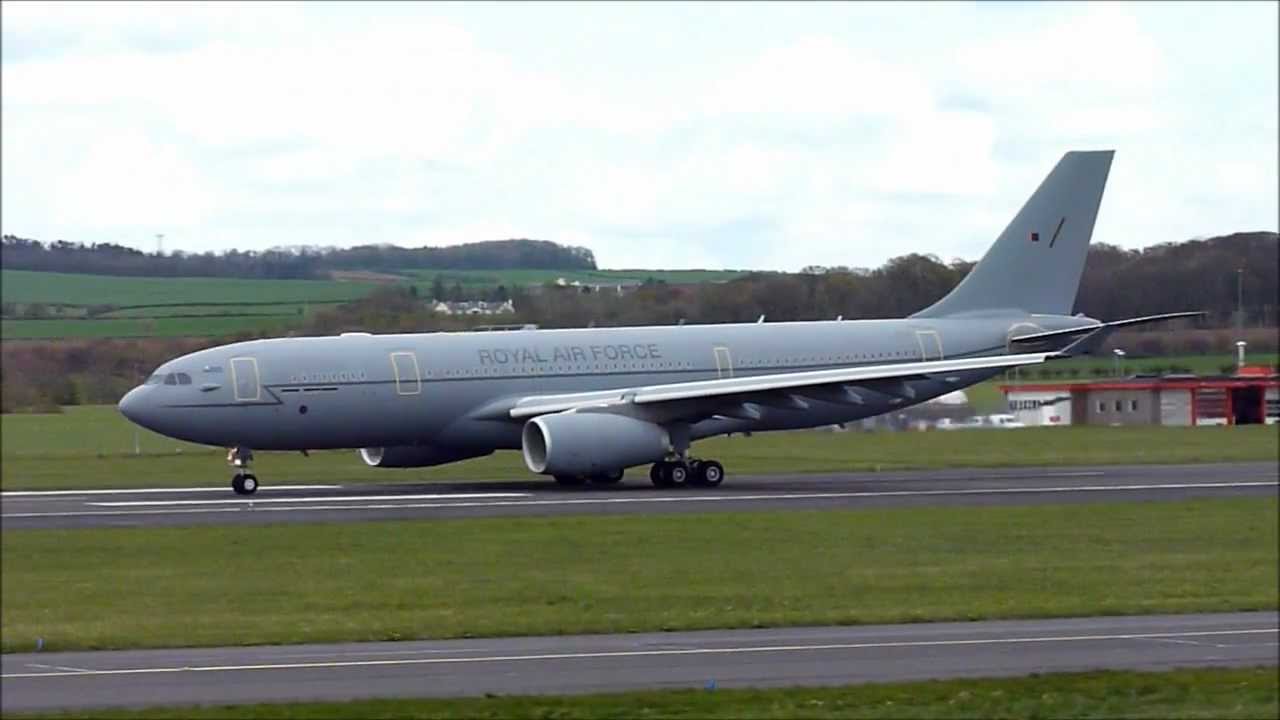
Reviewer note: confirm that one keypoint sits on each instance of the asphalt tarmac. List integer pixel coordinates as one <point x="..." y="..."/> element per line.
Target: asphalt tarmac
<point x="595" y="663"/>
<point x="350" y="503"/>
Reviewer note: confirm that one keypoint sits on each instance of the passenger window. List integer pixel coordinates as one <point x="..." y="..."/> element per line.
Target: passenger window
<point x="1119" y="406"/>
<point x="170" y="379"/>
<point x="184" y="379"/>
<point x="1133" y="406"/>
<point x="1102" y="406"/>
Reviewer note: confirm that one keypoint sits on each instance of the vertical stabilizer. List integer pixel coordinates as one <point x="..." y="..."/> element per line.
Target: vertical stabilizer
<point x="1036" y="263"/>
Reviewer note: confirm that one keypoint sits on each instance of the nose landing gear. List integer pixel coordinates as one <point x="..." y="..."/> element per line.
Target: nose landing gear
<point x="243" y="482"/>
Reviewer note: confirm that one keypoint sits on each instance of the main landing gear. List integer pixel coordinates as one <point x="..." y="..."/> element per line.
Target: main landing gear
<point x="692" y="473"/>
<point x="243" y="482"/>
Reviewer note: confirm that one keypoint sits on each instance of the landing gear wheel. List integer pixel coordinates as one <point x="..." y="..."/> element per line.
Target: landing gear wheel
<point x="674" y="473"/>
<point x="708" y="473"/>
<point x="612" y="477"/>
<point x="657" y="476"/>
<point x="244" y="484"/>
<point x="570" y="480"/>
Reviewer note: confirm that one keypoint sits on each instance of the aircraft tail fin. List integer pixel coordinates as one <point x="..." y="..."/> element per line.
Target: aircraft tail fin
<point x="1036" y="263"/>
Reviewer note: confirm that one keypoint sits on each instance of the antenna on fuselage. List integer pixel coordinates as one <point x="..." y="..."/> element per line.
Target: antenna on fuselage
<point x="760" y="320"/>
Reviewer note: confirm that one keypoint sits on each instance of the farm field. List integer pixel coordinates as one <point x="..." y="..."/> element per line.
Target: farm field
<point x="217" y="326"/>
<point x="162" y="307"/>
<point x="23" y="286"/>
<point x="1221" y="693"/>
<point x="473" y="577"/>
<point x="93" y="446"/>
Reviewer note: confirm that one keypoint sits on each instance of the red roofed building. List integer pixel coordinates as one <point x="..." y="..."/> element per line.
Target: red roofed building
<point x="1251" y="396"/>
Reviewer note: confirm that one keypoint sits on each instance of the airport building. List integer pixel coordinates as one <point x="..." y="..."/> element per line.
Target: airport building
<point x="1251" y="396"/>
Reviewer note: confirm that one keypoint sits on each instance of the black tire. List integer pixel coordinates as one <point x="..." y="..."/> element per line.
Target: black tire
<point x="570" y="480"/>
<point x="244" y="484"/>
<point x="709" y="474"/>
<point x="657" y="475"/>
<point x="612" y="477"/>
<point x="675" y="473"/>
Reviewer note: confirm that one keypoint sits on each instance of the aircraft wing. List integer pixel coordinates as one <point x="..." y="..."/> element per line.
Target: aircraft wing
<point x="779" y="388"/>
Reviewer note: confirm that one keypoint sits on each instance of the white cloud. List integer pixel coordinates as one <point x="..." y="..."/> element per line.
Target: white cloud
<point x="667" y="135"/>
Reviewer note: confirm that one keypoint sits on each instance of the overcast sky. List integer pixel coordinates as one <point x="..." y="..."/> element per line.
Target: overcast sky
<point x="660" y="135"/>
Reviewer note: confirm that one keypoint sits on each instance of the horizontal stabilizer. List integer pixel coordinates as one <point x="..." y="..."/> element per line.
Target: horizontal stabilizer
<point x="1087" y="338"/>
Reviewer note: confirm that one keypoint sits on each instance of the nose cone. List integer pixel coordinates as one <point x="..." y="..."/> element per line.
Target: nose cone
<point x="134" y="405"/>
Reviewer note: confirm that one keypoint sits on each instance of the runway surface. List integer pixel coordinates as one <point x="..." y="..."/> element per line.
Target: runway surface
<point x="593" y="663"/>
<point x="338" y="503"/>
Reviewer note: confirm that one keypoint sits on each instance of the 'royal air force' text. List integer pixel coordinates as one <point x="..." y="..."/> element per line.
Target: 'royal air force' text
<point x="570" y="354"/>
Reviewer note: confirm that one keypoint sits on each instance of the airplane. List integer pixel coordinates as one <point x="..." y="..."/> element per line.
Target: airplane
<point x="584" y="405"/>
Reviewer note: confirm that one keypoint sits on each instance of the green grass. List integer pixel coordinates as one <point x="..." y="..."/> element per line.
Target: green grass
<point x="142" y="587"/>
<point x="93" y="446"/>
<point x="1194" y="693"/>
<point x="144" y="327"/>
<point x="25" y="286"/>
<point x="241" y="310"/>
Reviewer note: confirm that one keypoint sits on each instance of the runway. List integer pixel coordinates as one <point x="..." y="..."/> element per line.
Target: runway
<point x="338" y="503"/>
<point x="578" y="664"/>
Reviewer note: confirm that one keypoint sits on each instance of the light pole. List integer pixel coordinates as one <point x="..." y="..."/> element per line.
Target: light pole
<point x="1119" y="354"/>
<point x="1240" y="354"/>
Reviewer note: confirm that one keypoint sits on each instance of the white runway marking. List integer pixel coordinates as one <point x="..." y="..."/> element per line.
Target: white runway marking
<point x="243" y="506"/>
<point x="141" y="491"/>
<point x="335" y="498"/>
<point x="644" y="653"/>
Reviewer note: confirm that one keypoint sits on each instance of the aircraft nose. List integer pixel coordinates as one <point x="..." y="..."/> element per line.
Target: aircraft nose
<point x="133" y="405"/>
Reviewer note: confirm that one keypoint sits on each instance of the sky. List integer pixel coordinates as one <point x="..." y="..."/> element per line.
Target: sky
<point x="659" y="135"/>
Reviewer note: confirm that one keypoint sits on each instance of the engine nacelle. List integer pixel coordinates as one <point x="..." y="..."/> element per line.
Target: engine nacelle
<point x="410" y="456"/>
<point x="573" y="443"/>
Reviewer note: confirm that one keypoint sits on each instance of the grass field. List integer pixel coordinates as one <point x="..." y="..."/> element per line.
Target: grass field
<point x="144" y="327"/>
<point x="93" y="446"/>
<point x="279" y="298"/>
<point x="1198" y="693"/>
<point x="23" y="286"/>
<point x="158" y="587"/>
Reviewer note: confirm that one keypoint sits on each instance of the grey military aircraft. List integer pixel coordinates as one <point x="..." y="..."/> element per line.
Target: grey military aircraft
<point x="585" y="404"/>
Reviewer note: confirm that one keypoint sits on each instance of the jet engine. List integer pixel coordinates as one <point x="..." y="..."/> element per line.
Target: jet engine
<point x="572" y="443"/>
<point x="410" y="456"/>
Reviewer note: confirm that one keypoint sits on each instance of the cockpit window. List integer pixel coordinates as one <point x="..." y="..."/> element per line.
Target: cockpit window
<point x="170" y="379"/>
<point x="184" y="379"/>
<point x="154" y="379"/>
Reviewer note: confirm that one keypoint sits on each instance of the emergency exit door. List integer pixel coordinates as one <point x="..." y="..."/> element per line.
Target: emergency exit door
<point x="930" y="344"/>
<point x="724" y="363"/>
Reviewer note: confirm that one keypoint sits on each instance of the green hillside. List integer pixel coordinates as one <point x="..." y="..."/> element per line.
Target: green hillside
<point x="24" y="286"/>
<point x="103" y="306"/>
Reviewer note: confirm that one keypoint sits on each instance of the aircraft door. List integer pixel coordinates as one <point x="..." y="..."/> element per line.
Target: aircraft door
<point x="724" y="363"/>
<point x="404" y="366"/>
<point x="930" y="344"/>
<point x="244" y="377"/>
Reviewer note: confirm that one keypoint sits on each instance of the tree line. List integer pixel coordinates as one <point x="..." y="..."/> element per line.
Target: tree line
<point x="1117" y="283"/>
<point x="299" y="262"/>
